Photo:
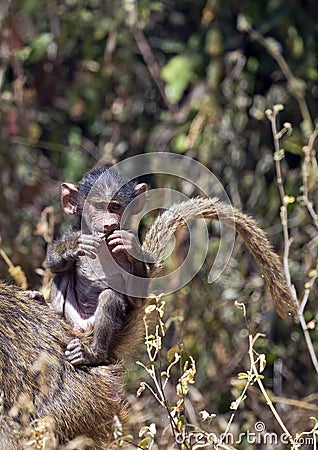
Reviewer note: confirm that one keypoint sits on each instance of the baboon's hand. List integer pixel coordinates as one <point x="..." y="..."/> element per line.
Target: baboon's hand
<point x="124" y="241"/>
<point x="36" y="295"/>
<point x="88" y="245"/>
<point x="80" y="354"/>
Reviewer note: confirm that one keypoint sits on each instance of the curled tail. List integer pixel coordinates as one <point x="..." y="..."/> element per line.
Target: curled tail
<point x="179" y="215"/>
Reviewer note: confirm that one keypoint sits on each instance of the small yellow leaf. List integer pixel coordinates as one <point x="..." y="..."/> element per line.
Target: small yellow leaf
<point x="262" y="362"/>
<point x="150" y="309"/>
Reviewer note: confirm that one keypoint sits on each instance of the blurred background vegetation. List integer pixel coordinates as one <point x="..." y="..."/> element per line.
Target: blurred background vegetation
<point x="86" y="82"/>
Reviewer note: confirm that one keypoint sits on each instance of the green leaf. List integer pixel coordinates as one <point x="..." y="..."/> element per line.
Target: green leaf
<point x="178" y="73"/>
<point x="144" y="443"/>
<point x="180" y="143"/>
<point x="242" y="375"/>
<point x="278" y="108"/>
<point x="75" y="138"/>
<point x="23" y="53"/>
<point x="40" y="45"/>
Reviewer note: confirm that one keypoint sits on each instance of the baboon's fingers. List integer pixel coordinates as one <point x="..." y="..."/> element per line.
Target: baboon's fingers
<point x="74" y="352"/>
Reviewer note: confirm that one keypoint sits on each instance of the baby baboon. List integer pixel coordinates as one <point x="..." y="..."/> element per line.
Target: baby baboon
<point x="92" y="263"/>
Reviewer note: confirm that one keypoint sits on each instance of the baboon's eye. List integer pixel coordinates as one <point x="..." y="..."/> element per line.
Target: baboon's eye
<point x="115" y="207"/>
<point x="100" y="206"/>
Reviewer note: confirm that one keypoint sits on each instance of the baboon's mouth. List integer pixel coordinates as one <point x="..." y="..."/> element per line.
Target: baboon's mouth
<point x="105" y="234"/>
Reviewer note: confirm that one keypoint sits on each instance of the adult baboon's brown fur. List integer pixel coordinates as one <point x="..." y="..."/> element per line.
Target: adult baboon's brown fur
<point x="180" y="214"/>
<point x="34" y="371"/>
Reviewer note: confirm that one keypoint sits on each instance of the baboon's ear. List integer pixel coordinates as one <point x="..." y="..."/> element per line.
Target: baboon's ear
<point x="140" y="194"/>
<point x="68" y="192"/>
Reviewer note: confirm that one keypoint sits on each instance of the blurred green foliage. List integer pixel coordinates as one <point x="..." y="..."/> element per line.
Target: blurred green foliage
<point x="90" y="81"/>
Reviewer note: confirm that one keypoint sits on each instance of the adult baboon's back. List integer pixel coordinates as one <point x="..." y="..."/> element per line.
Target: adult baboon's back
<point x="33" y="370"/>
